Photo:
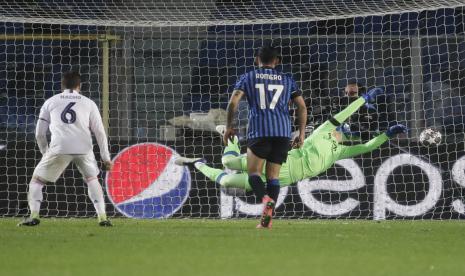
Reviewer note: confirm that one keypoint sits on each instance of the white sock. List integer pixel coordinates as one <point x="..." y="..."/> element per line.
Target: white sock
<point x="198" y="165"/>
<point x="35" y="197"/>
<point x="96" y="195"/>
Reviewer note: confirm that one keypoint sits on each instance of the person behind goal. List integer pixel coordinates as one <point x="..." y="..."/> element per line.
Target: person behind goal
<point x="71" y="117"/>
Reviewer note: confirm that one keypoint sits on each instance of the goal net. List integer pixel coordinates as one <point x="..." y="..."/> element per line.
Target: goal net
<point x="162" y="73"/>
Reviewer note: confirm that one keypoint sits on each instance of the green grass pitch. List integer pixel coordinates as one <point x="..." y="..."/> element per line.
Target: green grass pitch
<point x="232" y="247"/>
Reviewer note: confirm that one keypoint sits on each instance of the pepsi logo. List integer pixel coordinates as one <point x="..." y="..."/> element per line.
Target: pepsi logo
<point x="145" y="183"/>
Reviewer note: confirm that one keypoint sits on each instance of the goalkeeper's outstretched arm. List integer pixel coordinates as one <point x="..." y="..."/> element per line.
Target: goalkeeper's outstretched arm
<point x="355" y="150"/>
<point x="351" y="151"/>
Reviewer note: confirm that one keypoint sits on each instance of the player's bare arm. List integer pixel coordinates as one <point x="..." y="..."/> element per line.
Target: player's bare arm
<point x="302" y="118"/>
<point x="231" y="111"/>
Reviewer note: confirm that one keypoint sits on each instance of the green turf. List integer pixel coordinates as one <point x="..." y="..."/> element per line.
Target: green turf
<point x="234" y="247"/>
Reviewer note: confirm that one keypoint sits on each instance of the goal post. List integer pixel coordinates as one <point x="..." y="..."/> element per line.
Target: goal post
<point x="162" y="73"/>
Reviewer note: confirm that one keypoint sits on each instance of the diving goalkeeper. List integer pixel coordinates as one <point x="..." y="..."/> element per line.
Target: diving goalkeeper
<point x="319" y="152"/>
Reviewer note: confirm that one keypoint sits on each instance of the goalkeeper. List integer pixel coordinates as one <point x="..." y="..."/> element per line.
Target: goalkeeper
<point x="319" y="152"/>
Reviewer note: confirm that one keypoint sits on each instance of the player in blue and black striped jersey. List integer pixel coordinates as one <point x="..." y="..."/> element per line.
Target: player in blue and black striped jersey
<point x="268" y="93"/>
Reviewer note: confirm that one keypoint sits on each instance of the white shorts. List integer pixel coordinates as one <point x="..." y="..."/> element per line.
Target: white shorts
<point x="51" y="166"/>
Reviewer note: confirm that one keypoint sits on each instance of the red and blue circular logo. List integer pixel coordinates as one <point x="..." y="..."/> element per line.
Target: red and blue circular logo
<point x="145" y="183"/>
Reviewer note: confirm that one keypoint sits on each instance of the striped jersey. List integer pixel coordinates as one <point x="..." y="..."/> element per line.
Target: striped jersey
<point x="268" y="93"/>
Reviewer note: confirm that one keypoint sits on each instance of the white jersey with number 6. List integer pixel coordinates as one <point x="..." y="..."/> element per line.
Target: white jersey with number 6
<point x="71" y="117"/>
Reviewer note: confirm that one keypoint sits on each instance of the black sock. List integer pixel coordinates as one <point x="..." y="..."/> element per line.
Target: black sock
<point x="272" y="188"/>
<point x="257" y="185"/>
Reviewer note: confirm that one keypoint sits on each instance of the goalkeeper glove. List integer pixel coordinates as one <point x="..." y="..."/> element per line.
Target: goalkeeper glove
<point x="370" y="96"/>
<point x="345" y="129"/>
<point x="396" y="129"/>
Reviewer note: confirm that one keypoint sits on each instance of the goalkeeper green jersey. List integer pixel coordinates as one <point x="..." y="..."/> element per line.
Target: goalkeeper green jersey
<point x="319" y="152"/>
<point x="316" y="155"/>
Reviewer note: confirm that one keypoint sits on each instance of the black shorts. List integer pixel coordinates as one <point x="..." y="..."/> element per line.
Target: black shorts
<point x="272" y="149"/>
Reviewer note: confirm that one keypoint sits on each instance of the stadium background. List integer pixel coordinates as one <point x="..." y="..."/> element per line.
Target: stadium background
<point x="157" y="73"/>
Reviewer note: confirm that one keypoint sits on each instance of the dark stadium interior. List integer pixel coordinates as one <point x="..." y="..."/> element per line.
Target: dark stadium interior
<point x="310" y="51"/>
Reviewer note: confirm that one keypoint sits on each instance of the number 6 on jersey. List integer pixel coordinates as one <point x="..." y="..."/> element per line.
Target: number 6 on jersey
<point x="68" y="110"/>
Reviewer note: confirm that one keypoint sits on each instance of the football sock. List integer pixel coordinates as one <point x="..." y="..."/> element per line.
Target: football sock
<point x="35" y="197"/>
<point x="96" y="195"/>
<point x="257" y="185"/>
<point x="273" y="188"/>
<point x="226" y="180"/>
<point x="209" y="172"/>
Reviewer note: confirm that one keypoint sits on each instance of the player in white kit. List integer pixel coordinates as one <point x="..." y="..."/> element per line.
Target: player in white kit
<point x="70" y="117"/>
